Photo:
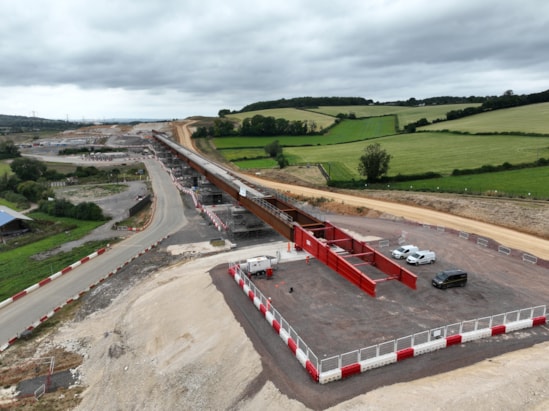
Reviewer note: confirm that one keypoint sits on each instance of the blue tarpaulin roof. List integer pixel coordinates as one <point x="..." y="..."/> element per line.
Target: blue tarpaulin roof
<point x="5" y="218"/>
<point x="7" y="215"/>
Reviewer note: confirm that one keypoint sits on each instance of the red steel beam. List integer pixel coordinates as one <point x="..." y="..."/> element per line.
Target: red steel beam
<point x="315" y="236"/>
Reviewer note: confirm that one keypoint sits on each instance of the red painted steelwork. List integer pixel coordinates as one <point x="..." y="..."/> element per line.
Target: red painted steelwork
<point x="322" y="252"/>
<point x="305" y="231"/>
<point x="317" y="242"/>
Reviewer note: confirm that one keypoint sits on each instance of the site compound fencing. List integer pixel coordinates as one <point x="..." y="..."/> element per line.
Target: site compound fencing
<point x="475" y="329"/>
<point x="286" y="332"/>
<point x="338" y="366"/>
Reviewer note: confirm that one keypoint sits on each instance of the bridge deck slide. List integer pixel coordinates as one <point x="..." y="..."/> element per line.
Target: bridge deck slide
<point x="305" y="231"/>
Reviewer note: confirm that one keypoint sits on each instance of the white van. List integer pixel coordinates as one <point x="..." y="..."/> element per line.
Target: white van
<point x="404" y="251"/>
<point x="422" y="257"/>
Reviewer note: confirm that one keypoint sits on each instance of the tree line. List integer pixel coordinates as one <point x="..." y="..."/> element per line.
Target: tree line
<point x="507" y="100"/>
<point x="258" y="125"/>
<point x="29" y="183"/>
<point x="306" y="102"/>
<point x="21" y="124"/>
<point x="8" y="150"/>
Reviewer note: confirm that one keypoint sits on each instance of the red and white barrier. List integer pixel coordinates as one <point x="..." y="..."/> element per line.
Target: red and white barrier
<point x="283" y="334"/>
<point x="74" y="298"/>
<point x="424" y="348"/>
<point x="216" y="221"/>
<point x="49" y="279"/>
<point x="380" y="360"/>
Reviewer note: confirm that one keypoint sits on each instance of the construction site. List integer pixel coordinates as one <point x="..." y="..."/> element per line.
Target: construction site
<point x="400" y="320"/>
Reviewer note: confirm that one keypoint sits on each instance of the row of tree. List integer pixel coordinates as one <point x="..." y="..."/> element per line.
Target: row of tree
<point x="436" y="101"/>
<point x="29" y="183"/>
<point x="63" y="208"/>
<point x="18" y="124"/>
<point x="8" y="150"/>
<point x="220" y="128"/>
<point x="507" y="100"/>
<point x="305" y="102"/>
<point x="258" y="125"/>
<point x="276" y="151"/>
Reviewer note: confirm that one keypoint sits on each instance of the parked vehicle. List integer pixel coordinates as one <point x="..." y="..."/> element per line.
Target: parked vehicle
<point x="404" y="251"/>
<point x="258" y="266"/>
<point x="422" y="257"/>
<point x="272" y="258"/>
<point x="450" y="278"/>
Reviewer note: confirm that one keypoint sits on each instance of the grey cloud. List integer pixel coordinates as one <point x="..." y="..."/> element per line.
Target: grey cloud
<point x="238" y="52"/>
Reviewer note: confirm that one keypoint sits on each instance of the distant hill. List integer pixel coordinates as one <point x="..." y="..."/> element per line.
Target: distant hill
<point x="307" y="102"/>
<point x="20" y="124"/>
<point x="508" y="99"/>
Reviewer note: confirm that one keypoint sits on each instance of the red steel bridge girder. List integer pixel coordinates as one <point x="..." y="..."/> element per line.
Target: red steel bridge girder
<point x="305" y="231"/>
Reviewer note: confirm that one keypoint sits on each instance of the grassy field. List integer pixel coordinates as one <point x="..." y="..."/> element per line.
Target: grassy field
<point x="533" y="118"/>
<point x="243" y="153"/>
<point x="405" y="115"/>
<point x="526" y="183"/>
<point x="438" y="152"/>
<point x="18" y="268"/>
<point x="346" y="131"/>
<point x="223" y="143"/>
<point x="8" y="204"/>
<point x="423" y="152"/>
<point x="257" y="163"/>
<point x="322" y="121"/>
<point x="338" y="170"/>
<point x="324" y="116"/>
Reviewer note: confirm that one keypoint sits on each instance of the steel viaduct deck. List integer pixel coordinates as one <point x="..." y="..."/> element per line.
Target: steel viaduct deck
<point x="310" y="234"/>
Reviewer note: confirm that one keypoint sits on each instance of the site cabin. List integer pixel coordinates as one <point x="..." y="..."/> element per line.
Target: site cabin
<point x="404" y="251"/>
<point x="258" y="266"/>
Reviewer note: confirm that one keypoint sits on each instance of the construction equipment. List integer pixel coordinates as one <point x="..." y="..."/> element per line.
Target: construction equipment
<point x="258" y="266"/>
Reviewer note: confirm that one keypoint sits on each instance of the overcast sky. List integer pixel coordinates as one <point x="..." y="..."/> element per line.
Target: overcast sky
<point x="169" y="59"/>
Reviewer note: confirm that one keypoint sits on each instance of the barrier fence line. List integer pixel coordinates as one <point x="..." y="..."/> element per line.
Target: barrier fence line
<point x="214" y="218"/>
<point x="299" y="348"/>
<point x="364" y="359"/>
<point x="50" y="314"/>
<point x="51" y="278"/>
<point x="361" y="360"/>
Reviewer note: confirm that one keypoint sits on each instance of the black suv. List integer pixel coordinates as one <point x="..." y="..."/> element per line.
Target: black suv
<point x="450" y="278"/>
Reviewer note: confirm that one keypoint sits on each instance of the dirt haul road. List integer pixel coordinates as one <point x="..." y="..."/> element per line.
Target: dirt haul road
<point x="507" y="237"/>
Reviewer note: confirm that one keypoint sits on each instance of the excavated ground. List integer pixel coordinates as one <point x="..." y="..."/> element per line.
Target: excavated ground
<point x="77" y="335"/>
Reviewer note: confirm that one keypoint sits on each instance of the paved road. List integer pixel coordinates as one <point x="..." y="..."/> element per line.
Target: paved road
<point x="168" y="218"/>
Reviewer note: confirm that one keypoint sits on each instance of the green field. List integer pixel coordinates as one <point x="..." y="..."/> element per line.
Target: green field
<point x="239" y="154"/>
<point x="322" y="121"/>
<point x="324" y="116"/>
<point x="405" y="115"/>
<point x="526" y="183"/>
<point x="346" y="131"/>
<point x="533" y="118"/>
<point x="421" y="152"/>
<point x="438" y="152"/>
<point x="257" y="163"/>
<point x="18" y="268"/>
<point x="7" y="203"/>
<point x="338" y="170"/>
